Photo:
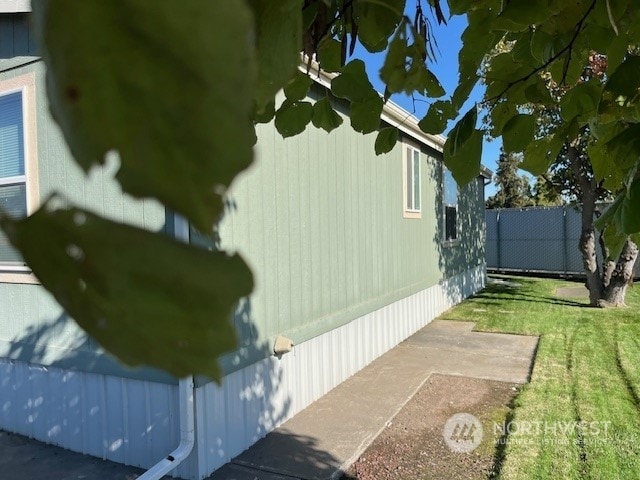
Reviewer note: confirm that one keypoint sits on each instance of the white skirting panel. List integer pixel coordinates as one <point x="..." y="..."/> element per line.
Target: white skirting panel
<point x="126" y="421"/>
<point x="253" y="401"/>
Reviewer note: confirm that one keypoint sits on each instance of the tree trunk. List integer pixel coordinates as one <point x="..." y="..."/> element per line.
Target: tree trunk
<point x="608" y="265"/>
<point x="622" y="275"/>
<point x="588" y="241"/>
<point x="590" y="261"/>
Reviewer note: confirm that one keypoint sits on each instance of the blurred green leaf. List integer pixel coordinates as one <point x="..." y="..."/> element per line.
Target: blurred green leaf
<point x="329" y="55"/>
<point x="518" y="132"/>
<point x="437" y="117"/>
<point x="365" y="114"/>
<point x="353" y="83"/>
<point x="624" y="81"/>
<point x="298" y="87"/>
<point x="462" y="131"/>
<point x="629" y="209"/>
<point x="464" y="161"/>
<point x="324" y="116"/>
<point x="526" y="13"/>
<point x="539" y="154"/>
<point x="293" y="117"/>
<point x="386" y="140"/>
<point x="267" y="113"/>
<point x="581" y="101"/>
<point x="500" y="115"/>
<point x="614" y="241"/>
<point x="278" y="31"/>
<point x="624" y="147"/>
<point x="108" y="91"/>
<point x="145" y="297"/>
<point x="376" y="21"/>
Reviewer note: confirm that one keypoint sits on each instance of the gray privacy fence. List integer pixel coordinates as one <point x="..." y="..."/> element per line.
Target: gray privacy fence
<point x="535" y="239"/>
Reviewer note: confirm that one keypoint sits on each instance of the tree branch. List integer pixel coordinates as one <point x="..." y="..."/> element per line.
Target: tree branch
<point x="568" y="47"/>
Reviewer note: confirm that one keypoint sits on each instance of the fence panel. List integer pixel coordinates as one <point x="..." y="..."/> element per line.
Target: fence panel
<point x="536" y="239"/>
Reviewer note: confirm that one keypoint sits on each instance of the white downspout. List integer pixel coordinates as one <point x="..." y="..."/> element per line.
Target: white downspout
<point x="187" y="434"/>
<point x="185" y="390"/>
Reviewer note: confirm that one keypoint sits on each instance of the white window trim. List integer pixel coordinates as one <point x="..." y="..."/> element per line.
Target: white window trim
<point x="445" y="240"/>
<point x="406" y="211"/>
<point x="25" y="84"/>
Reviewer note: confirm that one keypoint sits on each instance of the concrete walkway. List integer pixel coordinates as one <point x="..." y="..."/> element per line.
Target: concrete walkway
<point x="325" y="438"/>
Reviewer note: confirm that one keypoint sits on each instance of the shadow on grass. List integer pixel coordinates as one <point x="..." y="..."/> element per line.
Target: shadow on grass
<point x="515" y="289"/>
<point x="511" y="294"/>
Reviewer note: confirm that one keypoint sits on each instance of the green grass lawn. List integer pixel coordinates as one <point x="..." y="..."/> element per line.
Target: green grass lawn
<point x="587" y="369"/>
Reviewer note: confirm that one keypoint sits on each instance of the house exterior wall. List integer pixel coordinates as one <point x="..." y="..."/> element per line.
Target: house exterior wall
<point x="319" y="217"/>
<point x="338" y="269"/>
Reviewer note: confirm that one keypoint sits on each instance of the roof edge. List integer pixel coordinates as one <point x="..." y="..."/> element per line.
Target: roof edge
<point x="392" y="113"/>
<point x="15" y="6"/>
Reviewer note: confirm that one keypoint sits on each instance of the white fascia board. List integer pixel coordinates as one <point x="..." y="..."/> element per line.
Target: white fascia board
<point x="15" y="6"/>
<point x="485" y="172"/>
<point x="393" y="114"/>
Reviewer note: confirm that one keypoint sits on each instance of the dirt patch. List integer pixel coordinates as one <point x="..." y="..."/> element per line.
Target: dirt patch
<point x="413" y="446"/>
<point x="573" y="292"/>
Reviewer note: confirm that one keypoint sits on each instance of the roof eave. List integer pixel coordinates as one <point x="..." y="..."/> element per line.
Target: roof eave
<point x="392" y="114"/>
<point x="15" y="6"/>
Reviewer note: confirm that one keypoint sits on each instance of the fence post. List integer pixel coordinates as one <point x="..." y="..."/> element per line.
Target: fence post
<point x="498" y="239"/>
<point x="564" y="240"/>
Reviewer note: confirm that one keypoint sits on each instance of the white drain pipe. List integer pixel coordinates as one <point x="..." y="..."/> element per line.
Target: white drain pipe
<point x="185" y="389"/>
<point x="187" y="434"/>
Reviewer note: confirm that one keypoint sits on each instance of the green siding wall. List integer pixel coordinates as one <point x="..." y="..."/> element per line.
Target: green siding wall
<point x="319" y="217"/>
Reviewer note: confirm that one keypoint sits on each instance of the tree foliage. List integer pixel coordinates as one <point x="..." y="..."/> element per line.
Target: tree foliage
<point x="125" y="76"/>
<point x="513" y="189"/>
<point x="545" y="193"/>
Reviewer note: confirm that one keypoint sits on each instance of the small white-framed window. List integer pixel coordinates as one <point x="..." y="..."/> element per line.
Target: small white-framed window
<point x="411" y="182"/>
<point x="18" y="166"/>
<point x="450" y="206"/>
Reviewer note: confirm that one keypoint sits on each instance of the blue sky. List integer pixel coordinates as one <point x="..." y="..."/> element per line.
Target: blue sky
<point x="445" y="68"/>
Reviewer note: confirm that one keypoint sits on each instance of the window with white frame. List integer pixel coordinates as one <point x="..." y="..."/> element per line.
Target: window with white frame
<point x="450" y="197"/>
<point x="18" y="179"/>
<point x="411" y="182"/>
